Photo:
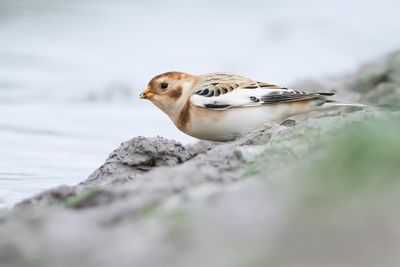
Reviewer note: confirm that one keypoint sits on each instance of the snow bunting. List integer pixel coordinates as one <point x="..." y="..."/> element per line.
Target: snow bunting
<point x="223" y="106"/>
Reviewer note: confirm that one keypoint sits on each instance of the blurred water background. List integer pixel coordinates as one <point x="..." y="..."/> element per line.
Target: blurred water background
<point x="70" y="71"/>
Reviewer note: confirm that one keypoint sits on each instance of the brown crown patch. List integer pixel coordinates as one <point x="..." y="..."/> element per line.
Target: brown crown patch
<point x="173" y="75"/>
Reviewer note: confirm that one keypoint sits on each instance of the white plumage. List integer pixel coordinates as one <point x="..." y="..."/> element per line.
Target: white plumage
<point x="224" y="106"/>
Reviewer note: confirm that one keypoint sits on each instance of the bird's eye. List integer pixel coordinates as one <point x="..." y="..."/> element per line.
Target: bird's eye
<point x="164" y="85"/>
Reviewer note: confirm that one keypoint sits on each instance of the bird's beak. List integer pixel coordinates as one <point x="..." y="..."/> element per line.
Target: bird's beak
<point x="147" y="94"/>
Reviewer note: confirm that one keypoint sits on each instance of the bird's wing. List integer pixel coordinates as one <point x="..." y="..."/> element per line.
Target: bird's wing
<point x="223" y="91"/>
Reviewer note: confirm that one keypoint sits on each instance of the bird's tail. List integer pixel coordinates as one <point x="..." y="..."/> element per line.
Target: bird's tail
<point x="333" y="103"/>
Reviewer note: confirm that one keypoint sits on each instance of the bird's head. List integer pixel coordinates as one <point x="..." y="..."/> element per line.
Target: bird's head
<point x="169" y="91"/>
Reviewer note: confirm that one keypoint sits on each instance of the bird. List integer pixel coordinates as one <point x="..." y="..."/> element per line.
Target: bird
<point x="223" y="106"/>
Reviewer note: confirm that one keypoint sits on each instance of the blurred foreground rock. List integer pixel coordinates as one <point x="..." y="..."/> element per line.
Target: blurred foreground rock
<point x="318" y="190"/>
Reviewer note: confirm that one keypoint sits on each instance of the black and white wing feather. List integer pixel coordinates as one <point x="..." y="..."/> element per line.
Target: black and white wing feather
<point x="223" y="91"/>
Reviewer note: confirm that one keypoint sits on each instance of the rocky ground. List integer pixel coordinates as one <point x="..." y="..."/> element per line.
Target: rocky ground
<point x="317" y="190"/>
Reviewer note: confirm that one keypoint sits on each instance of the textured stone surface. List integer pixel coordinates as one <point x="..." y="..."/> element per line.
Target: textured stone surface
<point x="317" y="190"/>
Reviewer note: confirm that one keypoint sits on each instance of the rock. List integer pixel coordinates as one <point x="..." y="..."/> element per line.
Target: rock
<point x="131" y="160"/>
<point x="324" y="182"/>
<point x="380" y="82"/>
<point x="49" y="197"/>
<point x="137" y="156"/>
<point x="289" y="123"/>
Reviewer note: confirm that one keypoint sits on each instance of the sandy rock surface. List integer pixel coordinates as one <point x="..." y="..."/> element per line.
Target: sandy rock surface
<point x="317" y="190"/>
